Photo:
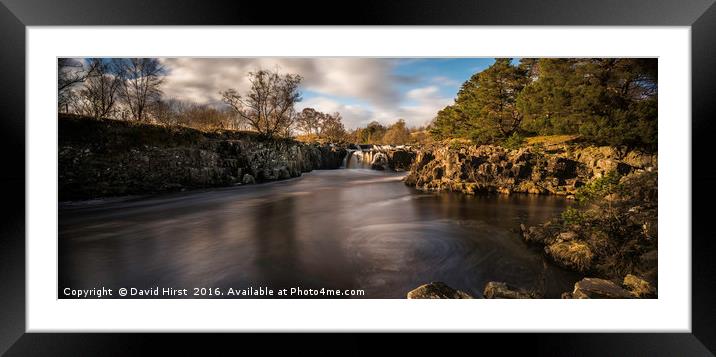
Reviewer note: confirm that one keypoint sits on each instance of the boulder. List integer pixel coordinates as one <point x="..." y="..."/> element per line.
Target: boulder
<point x="248" y="179"/>
<point x="283" y="173"/>
<point x="640" y="159"/>
<point x="437" y="290"/>
<point x="500" y="290"/>
<point x="595" y="288"/>
<point x="567" y="236"/>
<point x="562" y="168"/>
<point x="538" y="234"/>
<point x="401" y="159"/>
<point x="639" y="287"/>
<point x="380" y="161"/>
<point x="575" y="254"/>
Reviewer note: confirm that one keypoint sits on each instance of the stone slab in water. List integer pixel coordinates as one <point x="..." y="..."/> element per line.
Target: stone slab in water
<point x="437" y="290"/>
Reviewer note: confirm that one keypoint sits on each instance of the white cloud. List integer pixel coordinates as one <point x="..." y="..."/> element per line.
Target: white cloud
<point x="445" y="81"/>
<point x="422" y="93"/>
<point x="353" y="115"/>
<point x="368" y="81"/>
<point x="200" y="79"/>
<point x="424" y="103"/>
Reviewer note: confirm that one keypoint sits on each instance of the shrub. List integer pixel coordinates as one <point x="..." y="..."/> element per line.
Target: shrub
<point x="457" y="144"/>
<point x="599" y="188"/>
<point x="572" y="216"/>
<point x="514" y="141"/>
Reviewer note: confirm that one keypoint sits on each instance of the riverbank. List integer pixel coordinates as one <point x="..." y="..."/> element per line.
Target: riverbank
<point x="104" y="158"/>
<point x="110" y="158"/>
<point x="537" y="169"/>
<point x="609" y="235"/>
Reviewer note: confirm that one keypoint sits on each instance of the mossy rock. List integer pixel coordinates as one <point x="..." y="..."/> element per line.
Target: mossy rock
<point x="574" y="254"/>
<point x="437" y="290"/>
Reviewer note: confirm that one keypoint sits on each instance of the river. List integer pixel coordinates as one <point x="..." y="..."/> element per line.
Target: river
<point x="333" y="229"/>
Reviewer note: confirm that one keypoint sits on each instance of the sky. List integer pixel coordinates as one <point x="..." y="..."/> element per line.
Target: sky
<point x="361" y="89"/>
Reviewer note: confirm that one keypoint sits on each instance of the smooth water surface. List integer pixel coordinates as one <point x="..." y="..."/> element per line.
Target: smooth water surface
<point x="336" y="229"/>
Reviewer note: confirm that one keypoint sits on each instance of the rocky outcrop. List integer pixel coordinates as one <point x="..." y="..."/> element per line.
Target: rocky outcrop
<point x="480" y="169"/>
<point x="493" y="290"/>
<point x="380" y="161"/>
<point x="587" y="288"/>
<point x="611" y="236"/>
<point x="575" y="255"/>
<point x="400" y="159"/>
<point x="99" y="158"/>
<point x="500" y="290"/>
<point x="437" y="290"/>
<point x="639" y="287"/>
<point x="594" y="288"/>
<point x="611" y="233"/>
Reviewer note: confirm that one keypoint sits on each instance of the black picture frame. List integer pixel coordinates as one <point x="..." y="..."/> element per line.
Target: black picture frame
<point x="16" y="15"/>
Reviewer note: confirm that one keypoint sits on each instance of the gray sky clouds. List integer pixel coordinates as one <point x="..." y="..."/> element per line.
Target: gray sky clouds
<point x="361" y="89"/>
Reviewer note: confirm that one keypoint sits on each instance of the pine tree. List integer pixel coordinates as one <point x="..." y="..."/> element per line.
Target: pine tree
<point x="485" y="109"/>
<point x="608" y="101"/>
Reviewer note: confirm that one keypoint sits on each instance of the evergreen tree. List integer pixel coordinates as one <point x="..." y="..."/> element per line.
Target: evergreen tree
<point x="607" y="101"/>
<point x="485" y="109"/>
<point x="546" y="102"/>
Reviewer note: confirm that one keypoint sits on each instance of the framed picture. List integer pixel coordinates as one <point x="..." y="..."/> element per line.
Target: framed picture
<point x="411" y="167"/>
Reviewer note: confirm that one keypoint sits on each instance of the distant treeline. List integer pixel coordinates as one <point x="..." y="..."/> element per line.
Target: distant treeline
<point x="610" y="101"/>
<point x="397" y="134"/>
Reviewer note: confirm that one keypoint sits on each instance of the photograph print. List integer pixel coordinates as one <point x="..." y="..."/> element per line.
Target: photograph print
<point x="359" y="178"/>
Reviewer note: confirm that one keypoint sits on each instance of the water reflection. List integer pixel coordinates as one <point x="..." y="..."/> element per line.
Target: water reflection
<point x="340" y="229"/>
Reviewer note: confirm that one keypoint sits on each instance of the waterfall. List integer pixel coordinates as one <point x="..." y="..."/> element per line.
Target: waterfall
<point x="359" y="158"/>
<point x="366" y="156"/>
<point x="348" y="160"/>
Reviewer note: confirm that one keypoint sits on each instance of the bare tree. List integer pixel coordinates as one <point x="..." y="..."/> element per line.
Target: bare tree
<point x="70" y="73"/>
<point x="268" y="107"/>
<point x="332" y="128"/>
<point x="140" y="85"/>
<point x="99" y="94"/>
<point x="163" y="113"/>
<point x="205" y="117"/>
<point x="323" y="126"/>
<point x="397" y="134"/>
<point x="309" y="121"/>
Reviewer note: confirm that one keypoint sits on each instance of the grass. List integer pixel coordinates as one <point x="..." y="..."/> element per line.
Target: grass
<point x="457" y="143"/>
<point x="548" y="140"/>
<point x="514" y="141"/>
<point x="575" y="254"/>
